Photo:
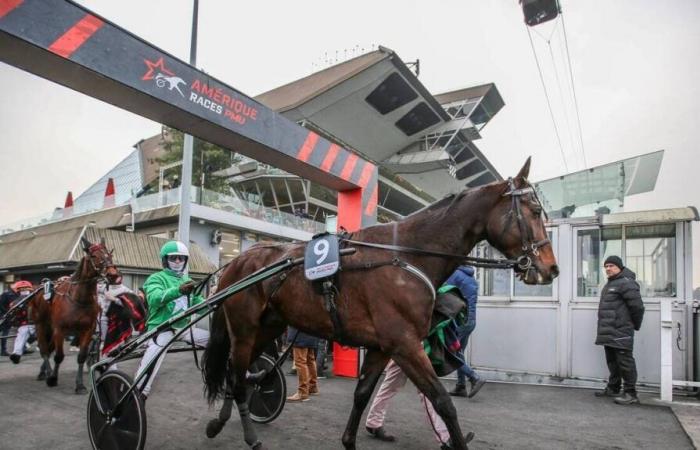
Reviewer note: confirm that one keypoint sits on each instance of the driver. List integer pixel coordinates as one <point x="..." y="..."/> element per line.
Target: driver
<point x="21" y="320"/>
<point x="167" y="294"/>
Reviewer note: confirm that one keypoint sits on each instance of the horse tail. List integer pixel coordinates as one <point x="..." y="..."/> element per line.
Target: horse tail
<point x="216" y="357"/>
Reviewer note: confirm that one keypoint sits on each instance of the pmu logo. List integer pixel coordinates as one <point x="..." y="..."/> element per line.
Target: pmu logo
<point x="162" y="76"/>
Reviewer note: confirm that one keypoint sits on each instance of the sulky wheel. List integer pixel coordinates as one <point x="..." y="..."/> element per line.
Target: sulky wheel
<point x="269" y="395"/>
<point x="123" y="426"/>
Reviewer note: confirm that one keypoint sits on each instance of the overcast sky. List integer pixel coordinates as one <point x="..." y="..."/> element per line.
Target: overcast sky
<point x="635" y="65"/>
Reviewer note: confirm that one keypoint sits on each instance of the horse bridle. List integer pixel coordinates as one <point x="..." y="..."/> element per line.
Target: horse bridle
<point x="530" y="247"/>
<point x="101" y="275"/>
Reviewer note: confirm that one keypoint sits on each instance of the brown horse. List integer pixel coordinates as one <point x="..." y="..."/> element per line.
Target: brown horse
<point x="73" y="310"/>
<point x="380" y="306"/>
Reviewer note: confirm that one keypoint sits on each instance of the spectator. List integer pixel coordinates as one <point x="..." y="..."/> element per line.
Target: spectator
<point x="304" y="348"/>
<point x="6" y="300"/>
<point x="620" y="313"/>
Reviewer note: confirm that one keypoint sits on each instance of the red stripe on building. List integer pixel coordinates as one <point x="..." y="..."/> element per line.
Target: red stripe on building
<point x="307" y="147"/>
<point x="366" y="175"/>
<point x="330" y="157"/>
<point x="76" y="36"/>
<point x="349" y="166"/>
<point x="372" y="203"/>
<point x="8" y="5"/>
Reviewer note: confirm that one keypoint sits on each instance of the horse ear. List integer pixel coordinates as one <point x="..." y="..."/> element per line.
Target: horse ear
<point x="525" y="171"/>
<point x="85" y="243"/>
<point x="102" y="241"/>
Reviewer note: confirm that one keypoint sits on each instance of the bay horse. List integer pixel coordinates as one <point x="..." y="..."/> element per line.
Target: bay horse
<point x="379" y="305"/>
<point x="73" y="309"/>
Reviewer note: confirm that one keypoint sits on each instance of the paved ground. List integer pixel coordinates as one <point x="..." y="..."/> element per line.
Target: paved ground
<point x="504" y="416"/>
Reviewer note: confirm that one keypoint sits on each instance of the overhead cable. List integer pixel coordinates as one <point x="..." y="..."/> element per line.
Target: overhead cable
<point x="561" y="92"/>
<point x="573" y="89"/>
<point x="546" y="95"/>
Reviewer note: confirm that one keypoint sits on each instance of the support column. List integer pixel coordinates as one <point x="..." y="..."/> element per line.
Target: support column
<point x="666" y="313"/>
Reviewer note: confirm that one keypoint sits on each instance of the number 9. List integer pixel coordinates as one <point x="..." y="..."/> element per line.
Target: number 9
<point x="321" y="249"/>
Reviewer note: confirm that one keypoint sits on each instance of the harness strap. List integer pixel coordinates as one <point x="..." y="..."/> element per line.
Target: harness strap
<point x="478" y="262"/>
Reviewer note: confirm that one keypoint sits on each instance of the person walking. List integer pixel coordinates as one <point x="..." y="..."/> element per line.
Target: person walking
<point x="463" y="282"/>
<point x="304" y="351"/>
<point x="620" y="314"/>
<point x="394" y="380"/>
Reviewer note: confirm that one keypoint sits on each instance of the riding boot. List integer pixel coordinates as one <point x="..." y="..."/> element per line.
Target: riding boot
<point x="460" y="390"/>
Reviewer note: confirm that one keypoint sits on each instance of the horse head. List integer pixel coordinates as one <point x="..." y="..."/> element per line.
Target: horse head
<point x="516" y="228"/>
<point x="100" y="258"/>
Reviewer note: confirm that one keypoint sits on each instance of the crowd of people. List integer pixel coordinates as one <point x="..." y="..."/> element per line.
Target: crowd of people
<point x="168" y="292"/>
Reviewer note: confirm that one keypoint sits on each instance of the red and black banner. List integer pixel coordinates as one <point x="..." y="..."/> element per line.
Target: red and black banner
<point x="65" y="43"/>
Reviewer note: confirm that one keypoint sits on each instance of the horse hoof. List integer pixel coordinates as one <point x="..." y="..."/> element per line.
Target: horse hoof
<point x="80" y="390"/>
<point x="41" y="377"/>
<point x="52" y="381"/>
<point x="214" y="427"/>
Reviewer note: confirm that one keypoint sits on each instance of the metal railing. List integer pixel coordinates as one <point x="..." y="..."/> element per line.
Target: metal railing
<point x="170" y="197"/>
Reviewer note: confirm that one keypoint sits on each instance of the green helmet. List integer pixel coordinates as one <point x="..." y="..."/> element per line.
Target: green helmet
<point x="173" y="248"/>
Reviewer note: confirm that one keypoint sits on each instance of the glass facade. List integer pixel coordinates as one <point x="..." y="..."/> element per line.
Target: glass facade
<point x="593" y="247"/>
<point x="648" y="250"/>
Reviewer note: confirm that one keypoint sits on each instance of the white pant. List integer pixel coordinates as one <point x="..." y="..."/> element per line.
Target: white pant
<point x="102" y="326"/>
<point x="23" y="333"/>
<point x="395" y="379"/>
<point x="201" y="337"/>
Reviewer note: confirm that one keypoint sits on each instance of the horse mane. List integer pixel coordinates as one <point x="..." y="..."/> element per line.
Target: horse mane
<point x="450" y="200"/>
<point x="79" y="270"/>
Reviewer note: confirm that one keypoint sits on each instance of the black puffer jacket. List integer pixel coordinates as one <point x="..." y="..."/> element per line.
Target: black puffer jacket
<point x="620" y="311"/>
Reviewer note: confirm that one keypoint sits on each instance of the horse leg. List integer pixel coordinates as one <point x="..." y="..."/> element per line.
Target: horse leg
<point x="375" y="361"/>
<point x="272" y="327"/>
<point x="43" y="337"/>
<point x="57" y="339"/>
<point x="416" y="365"/>
<point x="242" y="352"/>
<point x="215" y="426"/>
<point x="84" y="343"/>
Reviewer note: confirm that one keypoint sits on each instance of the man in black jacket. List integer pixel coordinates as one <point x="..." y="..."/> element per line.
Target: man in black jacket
<point x="620" y="313"/>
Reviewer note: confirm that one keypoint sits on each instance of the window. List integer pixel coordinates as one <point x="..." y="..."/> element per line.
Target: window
<point x="230" y="246"/>
<point x="492" y="282"/>
<point x="417" y="119"/>
<point x="503" y="283"/>
<point x="593" y="247"/>
<point x="392" y="93"/>
<point x="650" y="252"/>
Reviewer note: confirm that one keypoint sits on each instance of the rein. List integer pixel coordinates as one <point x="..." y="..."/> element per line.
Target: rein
<point x="478" y="262"/>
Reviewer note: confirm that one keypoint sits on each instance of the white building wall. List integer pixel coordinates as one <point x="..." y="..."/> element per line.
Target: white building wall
<point x="547" y="340"/>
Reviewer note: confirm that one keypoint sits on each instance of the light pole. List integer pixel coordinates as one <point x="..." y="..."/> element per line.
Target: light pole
<point x="183" y="226"/>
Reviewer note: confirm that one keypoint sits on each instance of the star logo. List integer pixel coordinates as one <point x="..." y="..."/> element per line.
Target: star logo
<point x="155" y="67"/>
